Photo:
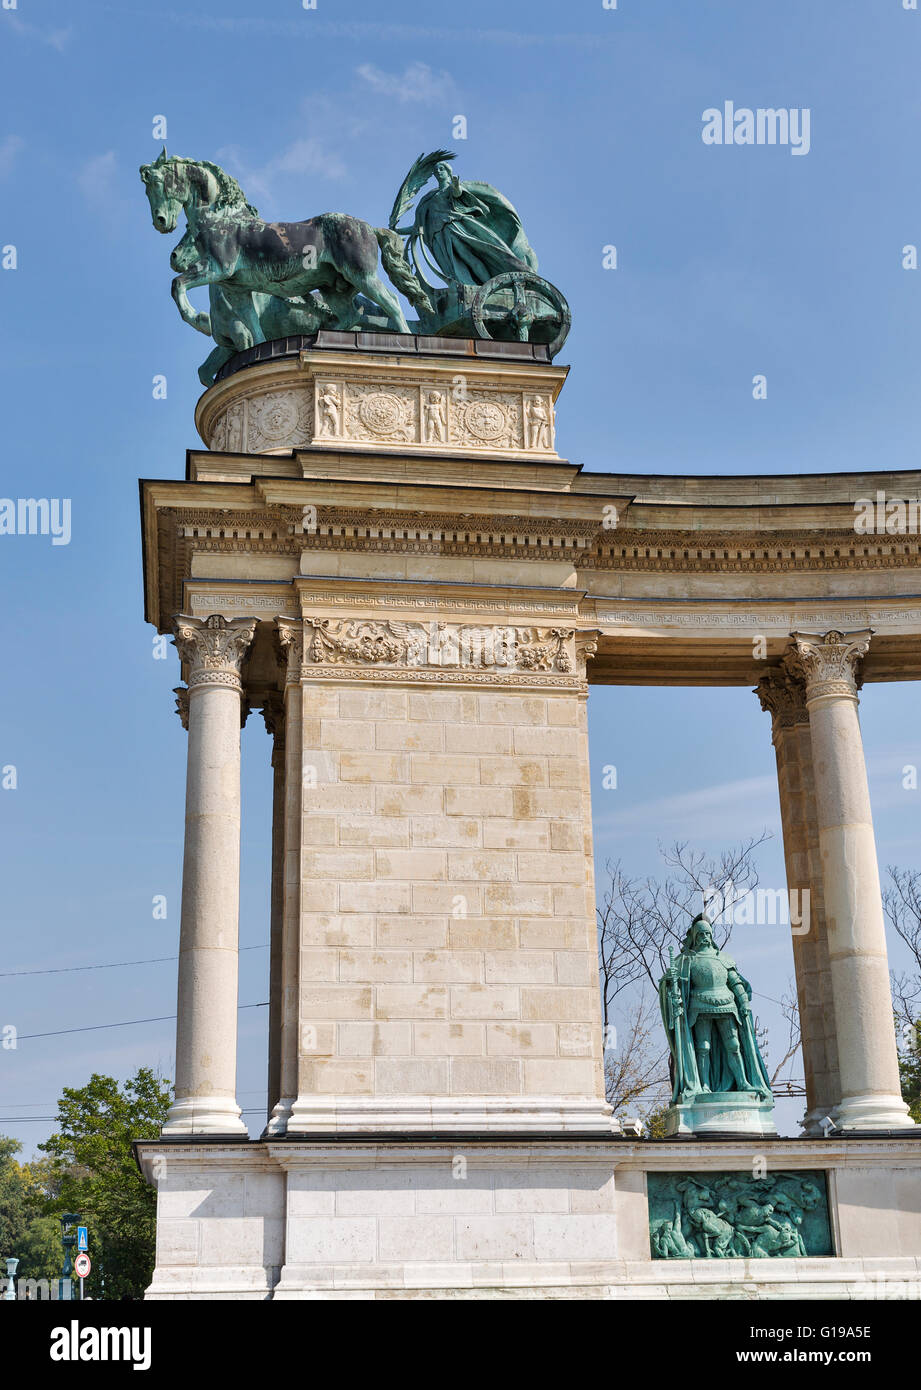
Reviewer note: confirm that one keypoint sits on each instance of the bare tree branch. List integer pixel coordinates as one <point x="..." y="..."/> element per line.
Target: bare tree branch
<point x="638" y="922"/>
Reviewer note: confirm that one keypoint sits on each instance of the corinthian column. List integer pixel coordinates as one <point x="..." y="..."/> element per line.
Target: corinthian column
<point x="783" y="694"/>
<point x="867" y="1059"/>
<point x="206" y="1028"/>
<point x="273" y="712"/>
<point x="283" y="1050"/>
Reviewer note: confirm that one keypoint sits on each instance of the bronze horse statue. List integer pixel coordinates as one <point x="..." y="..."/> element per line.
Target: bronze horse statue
<point x="271" y="279"/>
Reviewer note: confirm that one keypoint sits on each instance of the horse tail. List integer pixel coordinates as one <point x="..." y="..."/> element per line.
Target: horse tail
<point x="398" y="268"/>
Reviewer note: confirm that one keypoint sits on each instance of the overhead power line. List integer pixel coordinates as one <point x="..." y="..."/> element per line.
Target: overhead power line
<point x="109" y="965"/>
<point x="128" y="1023"/>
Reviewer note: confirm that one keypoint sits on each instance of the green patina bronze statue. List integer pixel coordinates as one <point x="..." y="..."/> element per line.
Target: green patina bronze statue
<point x="269" y="280"/>
<point x="719" y="1080"/>
<point x="469" y="229"/>
<point x="736" y="1215"/>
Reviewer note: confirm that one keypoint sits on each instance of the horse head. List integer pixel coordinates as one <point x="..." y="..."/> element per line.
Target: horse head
<point x="167" y="190"/>
<point x="174" y="183"/>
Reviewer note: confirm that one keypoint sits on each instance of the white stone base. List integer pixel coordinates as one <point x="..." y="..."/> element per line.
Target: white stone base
<point x="873" y="1112"/>
<point x="351" y="1218"/>
<point x="207" y="1115"/>
<point x="731" y="1112"/>
<point x="453" y="1115"/>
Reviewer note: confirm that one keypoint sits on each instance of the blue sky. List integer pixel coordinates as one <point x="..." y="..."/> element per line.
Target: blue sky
<point x="731" y="262"/>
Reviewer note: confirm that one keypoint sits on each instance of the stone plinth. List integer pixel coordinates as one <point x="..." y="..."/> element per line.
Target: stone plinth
<point x="530" y="1219"/>
<point x="731" y="1112"/>
<point x="495" y="401"/>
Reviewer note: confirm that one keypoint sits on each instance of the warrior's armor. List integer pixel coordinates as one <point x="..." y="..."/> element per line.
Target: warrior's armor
<point x="710" y="990"/>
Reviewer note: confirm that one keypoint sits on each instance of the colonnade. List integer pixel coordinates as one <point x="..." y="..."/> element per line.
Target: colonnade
<point x="849" y="1050"/>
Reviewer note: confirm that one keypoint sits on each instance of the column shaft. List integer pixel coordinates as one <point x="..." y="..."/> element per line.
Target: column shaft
<point x="285" y="1022"/>
<point x="273" y="712"/>
<point x="868" y="1062"/>
<point x="206" y="1027"/>
<point x="784" y="696"/>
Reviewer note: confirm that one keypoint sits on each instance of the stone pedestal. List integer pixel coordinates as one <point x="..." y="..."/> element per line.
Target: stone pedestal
<point x="528" y="1219"/>
<point x="730" y="1112"/>
<point x="368" y="391"/>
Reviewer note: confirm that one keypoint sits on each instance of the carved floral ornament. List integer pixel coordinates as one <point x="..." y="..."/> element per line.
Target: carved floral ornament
<point x="783" y="695"/>
<point x="339" y="642"/>
<point x="831" y="661"/>
<point x="213" y="648"/>
<point x="432" y="412"/>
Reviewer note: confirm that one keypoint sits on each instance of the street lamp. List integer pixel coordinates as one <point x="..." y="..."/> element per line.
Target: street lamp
<point x="68" y="1219"/>
<point x="12" y="1265"/>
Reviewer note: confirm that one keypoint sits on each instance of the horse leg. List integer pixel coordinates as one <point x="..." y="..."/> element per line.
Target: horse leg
<point x="243" y="324"/>
<point x="373" y="286"/>
<point x="191" y="279"/>
<point x="213" y="364"/>
<point x="341" y="303"/>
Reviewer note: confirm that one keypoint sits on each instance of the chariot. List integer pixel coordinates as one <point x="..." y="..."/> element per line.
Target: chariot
<point x="514" y="306"/>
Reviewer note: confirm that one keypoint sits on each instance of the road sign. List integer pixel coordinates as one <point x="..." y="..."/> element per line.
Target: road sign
<point x="82" y="1243"/>
<point x="82" y="1265"/>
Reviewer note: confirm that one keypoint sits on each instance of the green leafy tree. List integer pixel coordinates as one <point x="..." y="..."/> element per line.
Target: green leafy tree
<point x="24" y="1232"/>
<point x="15" y="1212"/>
<point x="94" y="1172"/>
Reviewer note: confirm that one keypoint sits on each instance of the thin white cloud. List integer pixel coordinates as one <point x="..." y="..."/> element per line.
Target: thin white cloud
<point x="54" y="38"/>
<point x="9" y="152"/>
<point x="306" y="157"/>
<point x="310" y="27"/>
<point x="417" y="82"/>
<point x="725" y="810"/>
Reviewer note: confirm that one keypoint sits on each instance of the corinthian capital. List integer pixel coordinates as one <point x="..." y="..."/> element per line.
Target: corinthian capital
<point x="213" y="648"/>
<point x="784" y="697"/>
<point x="182" y="705"/>
<point x="289" y="647"/>
<point x="831" y="661"/>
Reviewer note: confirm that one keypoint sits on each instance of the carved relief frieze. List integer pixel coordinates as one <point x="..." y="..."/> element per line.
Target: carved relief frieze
<point x="262" y="422"/>
<point x="480" y="651"/>
<point x="386" y="410"/>
<point x="753" y="552"/>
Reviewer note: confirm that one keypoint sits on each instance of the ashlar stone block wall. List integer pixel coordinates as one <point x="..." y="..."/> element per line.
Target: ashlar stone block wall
<point x="447" y="929"/>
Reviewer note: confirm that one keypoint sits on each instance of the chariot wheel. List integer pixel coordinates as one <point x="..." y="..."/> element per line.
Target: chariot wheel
<point x="489" y="307"/>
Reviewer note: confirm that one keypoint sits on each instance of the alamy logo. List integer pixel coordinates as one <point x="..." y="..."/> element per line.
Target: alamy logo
<point x="764" y="126"/>
<point x="36" y="516"/>
<point x="887" y="516"/>
<point x="76" y="1343"/>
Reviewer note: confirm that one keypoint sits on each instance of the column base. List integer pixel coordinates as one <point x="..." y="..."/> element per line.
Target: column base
<point x="278" y="1120"/>
<point x="811" y="1123"/>
<point x="873" y="1112"/>
<point x="208" y="1115"/>
<point x="450" y="1115"/>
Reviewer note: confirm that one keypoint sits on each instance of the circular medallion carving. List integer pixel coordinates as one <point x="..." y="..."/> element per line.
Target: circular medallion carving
<point x="486" y="419"/>
<point x="276" y="416"/>
<point x="380" y="412"/>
